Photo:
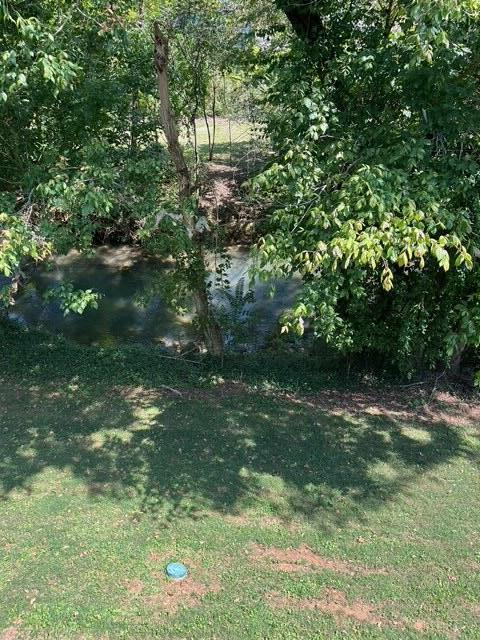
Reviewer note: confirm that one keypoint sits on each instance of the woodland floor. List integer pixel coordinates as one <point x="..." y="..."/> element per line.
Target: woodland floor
<point x="302" y="511"/>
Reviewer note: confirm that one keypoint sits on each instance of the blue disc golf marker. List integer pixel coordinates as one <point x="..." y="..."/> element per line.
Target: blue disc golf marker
<point x="177" y="571"/>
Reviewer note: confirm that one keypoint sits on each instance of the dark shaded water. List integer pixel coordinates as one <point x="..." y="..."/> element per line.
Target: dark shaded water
<point x="122" y="275"/>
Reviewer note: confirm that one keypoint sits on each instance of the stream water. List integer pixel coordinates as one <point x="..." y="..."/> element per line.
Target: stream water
<point x="121" y="275"/>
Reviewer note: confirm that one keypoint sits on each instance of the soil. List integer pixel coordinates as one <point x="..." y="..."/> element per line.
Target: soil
<point x="185" y="594"/>
<point x="304" y="560"/>
<point x="333" y="602"/>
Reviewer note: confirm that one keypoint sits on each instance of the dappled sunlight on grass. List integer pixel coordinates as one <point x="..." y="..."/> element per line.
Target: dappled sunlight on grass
<point x="418" y="435"/>
<point x="180" y="457"/>
<point x="294" y="507"/>
<point x="115" y="462"/>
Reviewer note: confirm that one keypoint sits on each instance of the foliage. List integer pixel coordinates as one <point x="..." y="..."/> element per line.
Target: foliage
<point x="374" y="117"/>
<point x="73" y="175"/>
<point x="372" y="110"/>
<point x="17" y="241"/>
<point x="91" y="164"/>
<point x="235" y="313"/>
<point x="73" y="300"/>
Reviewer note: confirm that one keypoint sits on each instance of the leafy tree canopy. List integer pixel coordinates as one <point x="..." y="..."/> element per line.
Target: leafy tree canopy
<point x="373" y="111"/>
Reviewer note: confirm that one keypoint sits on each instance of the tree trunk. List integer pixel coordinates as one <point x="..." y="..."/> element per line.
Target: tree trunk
<point x="133" y="121"/>
<point x="211" y="330"/>
<point x="214" y="118"/>
<point x="141" y="12"/>
<point x="169" y="124"/>
<point x="305" y="18"/>
<point x="195" y="146"/>
<point x="456" y="363"/>
<point x="207" y="124"/>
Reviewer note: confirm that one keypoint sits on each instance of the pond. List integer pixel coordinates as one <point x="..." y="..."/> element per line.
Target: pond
<point x="122" y="275"/>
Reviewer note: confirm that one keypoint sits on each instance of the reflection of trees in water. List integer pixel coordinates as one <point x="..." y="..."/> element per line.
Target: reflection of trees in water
<point x="132" y="308"/>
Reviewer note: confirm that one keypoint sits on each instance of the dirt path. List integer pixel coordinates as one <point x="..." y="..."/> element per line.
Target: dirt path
<point x="222" y="182"/>
<point x="224" y="202"/>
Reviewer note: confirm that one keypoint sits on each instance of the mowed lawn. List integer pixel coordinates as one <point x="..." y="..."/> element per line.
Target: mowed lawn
<point x="347" y="513"/>
<point x="238" y="144"/>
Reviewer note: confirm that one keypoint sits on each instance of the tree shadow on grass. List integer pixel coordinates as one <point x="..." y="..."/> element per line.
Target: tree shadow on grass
<point x="181" y="458"/>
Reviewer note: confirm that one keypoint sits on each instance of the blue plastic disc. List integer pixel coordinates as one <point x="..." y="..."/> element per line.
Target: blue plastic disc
<point x="177" y="571"/>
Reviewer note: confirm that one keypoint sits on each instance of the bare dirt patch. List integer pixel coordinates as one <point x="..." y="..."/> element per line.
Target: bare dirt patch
<point x="224" y="202"/>
<point x="424" y="408"/>
<point x="134" y="586"/>
<point x="303" y="560"/>
<point x="334" y="602"/>
<point x="420" y="625"/>
<point x="185" y="594"/>
<point x="222" y="183"/>
<point x="419" y="405"/>
<point x="9" y="634"/>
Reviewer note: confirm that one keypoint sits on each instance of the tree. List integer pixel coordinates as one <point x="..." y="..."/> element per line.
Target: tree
<point x="194" y="262"/>
<point x="90" y="165"/>
<point x="31" y="64"/>
<point x="374" y="116"/>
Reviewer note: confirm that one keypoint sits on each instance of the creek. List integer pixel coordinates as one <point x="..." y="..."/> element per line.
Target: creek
<point x="123" y="275"/>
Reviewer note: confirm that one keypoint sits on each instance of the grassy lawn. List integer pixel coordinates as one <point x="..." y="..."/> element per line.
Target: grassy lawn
<point x="236" y="144"/>
<point x="303" y="509"/>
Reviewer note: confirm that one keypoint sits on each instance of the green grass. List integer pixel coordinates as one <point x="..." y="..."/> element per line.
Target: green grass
<point x="106" y="475"/>
<point x="236" y="144"/>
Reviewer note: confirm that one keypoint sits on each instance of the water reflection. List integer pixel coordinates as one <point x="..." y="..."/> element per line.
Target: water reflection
<point x="121" y="275"/>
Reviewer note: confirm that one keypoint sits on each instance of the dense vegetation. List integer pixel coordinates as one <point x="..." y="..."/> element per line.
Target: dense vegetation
<point x="371" y="194"/>
<point x="375" y="120"/>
